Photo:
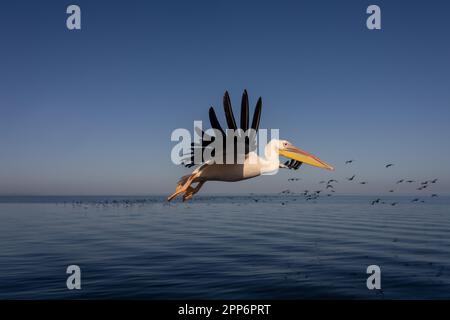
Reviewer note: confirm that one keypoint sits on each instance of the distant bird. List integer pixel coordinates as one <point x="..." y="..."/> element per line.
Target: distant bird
<point x="389" y="165"/>
<point x="434" y="180"/>
<point x="415" y="200"/>
<point x="394" y="203"/>
<point x="400" y="181"/>
<point x="329" y="186"/>
<point x="293" y="179"/>
<point x="363" y="182"/>
<point x="423" y="201"/>
<point x="391" y="190"/>
<point x="349" y="161"/>
<point x="434" y="195"/>
<point x="424" y="183"/>
<point x="410" y="181"/>
<point x="331" y="181"/>
<point x="376" y="201"/>
<point x="351" y="178"/>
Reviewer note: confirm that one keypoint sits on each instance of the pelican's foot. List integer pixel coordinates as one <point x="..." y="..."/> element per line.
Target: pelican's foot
<point x="189" y="194"/>
<point x="185" y="187"/>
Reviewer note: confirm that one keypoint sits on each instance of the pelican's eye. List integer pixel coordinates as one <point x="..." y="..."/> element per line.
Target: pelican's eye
<point x="285" y="144"/>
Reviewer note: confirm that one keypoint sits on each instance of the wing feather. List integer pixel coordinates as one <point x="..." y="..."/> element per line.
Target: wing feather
<point x="244" y="111"/>
<point x="229" y="111"/>
<point x="257" y="115"/>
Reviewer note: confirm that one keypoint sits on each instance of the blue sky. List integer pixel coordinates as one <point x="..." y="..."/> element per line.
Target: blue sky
<point x="91" y="111"/>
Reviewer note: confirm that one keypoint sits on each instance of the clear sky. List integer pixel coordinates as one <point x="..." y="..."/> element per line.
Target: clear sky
<point x="91" y="111"/>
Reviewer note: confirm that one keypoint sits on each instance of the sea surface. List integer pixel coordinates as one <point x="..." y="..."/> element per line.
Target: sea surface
<point x="224" y="247"/>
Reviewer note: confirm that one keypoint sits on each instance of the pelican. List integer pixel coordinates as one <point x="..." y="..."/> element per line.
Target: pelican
<point x="252" y="166"/>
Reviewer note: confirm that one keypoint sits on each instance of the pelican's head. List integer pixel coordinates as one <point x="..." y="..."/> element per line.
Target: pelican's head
<point x="288" y="150"/>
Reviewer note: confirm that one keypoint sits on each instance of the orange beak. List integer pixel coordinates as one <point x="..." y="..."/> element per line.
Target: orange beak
<point x="305" y="157"/>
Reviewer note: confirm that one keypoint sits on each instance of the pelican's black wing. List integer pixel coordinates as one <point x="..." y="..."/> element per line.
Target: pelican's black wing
<point x="293" y="164"/>
<point x="243" y="135"/>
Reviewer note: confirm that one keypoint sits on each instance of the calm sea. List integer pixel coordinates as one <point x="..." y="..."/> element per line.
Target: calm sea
<point x="218" y="247"/>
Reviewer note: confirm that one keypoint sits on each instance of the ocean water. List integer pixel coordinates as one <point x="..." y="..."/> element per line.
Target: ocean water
<point x="224" y="247"/>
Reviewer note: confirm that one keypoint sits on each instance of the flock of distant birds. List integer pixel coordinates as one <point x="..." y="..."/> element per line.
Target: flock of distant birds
<point x="330" y="187"/>
<point x="117" y="203"/>
<point x="327" y="191"/>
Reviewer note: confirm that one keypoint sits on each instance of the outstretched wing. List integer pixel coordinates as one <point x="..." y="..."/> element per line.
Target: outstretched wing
<point x="249" y="136"/>
<point x="293" y="164"/>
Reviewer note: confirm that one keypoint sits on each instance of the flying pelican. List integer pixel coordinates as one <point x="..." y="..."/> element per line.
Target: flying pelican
<point x="252" y="166"/>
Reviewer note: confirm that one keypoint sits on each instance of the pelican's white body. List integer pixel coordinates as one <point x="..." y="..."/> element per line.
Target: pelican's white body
<point x="253" y="166"/>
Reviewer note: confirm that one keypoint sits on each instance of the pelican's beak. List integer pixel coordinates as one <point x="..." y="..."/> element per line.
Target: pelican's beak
<point x="303" y="156"/>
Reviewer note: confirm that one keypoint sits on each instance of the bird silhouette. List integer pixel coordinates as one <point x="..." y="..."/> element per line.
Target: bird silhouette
<point x="363" y="182"/>
<point x="376" y="201"/>
<point x="434" y="195"/>
<point x="434" y="180"/>
<point x="400" y="181"/>
<point x="349" y="161"/>
<point x="351" y="178"/>
<point x="331" y="181"/>
<point x="389" y="165"/>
